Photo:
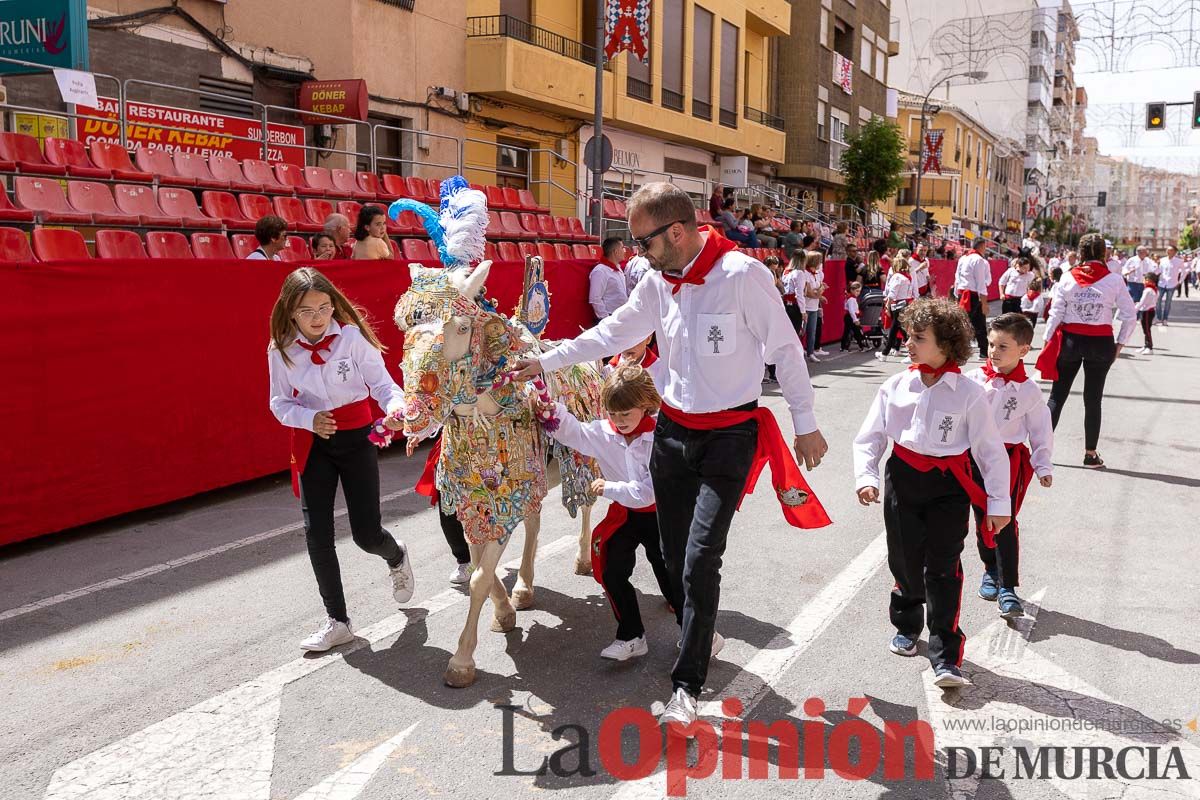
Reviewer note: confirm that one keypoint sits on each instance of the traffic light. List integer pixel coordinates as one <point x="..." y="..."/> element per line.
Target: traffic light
<point x="1101" y="199"/>
<point x="1156" y="116"/>
<point x="1196" y="110"/>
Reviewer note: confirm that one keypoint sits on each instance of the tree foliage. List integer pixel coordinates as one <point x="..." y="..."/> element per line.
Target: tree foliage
<point x="1189" y="237"/>
<point x="872" y="163"/>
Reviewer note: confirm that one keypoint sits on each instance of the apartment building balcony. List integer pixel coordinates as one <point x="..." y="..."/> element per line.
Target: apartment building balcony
<point x="770" y="17"/>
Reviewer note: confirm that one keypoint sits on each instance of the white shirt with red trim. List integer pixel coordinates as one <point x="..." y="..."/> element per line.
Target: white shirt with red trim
<point x="1014" y="283"/>
<point x="1021" y="416"/>
<point x="1092" y="305"/>
<point x="625" y="465"/>
<point x="899" y="289"/>
<point x="973" y="273"/>
<point x="851" y="306"/>
<point x="606" y="290"/>
<point x="657" y="370"/>
<point x="918" y="273"/>
<point x="1149" y="299"/>
<point x="1035" y="306"/>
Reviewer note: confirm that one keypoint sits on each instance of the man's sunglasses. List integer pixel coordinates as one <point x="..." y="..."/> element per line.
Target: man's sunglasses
<point x="643" y="242"/>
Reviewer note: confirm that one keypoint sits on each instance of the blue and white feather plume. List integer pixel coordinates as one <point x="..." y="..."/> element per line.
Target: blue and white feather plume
<point x="458" y="231"/>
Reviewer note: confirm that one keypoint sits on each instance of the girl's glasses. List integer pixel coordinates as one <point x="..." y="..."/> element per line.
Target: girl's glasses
<point x="309" y="314"/>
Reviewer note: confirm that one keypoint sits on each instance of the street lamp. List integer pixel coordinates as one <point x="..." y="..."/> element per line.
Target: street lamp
<point x="975" y="75"/>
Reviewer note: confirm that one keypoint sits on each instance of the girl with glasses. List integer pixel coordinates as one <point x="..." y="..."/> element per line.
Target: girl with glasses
<point x="325" y="364"/>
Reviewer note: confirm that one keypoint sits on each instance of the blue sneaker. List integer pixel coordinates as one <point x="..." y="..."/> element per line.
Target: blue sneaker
<point x="988" y="588"/>
<point x="948" y="676"/>
<point x="903" y="646"/>
<point x="1010" y="604"/>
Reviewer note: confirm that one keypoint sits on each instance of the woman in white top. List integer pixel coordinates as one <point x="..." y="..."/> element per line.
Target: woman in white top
<point x="370" y="234"/>
<point x="813" y="288"/>
<point x="896" y="296"/>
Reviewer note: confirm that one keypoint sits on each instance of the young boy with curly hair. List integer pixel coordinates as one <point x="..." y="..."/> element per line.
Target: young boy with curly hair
<point x="937" y="420"/>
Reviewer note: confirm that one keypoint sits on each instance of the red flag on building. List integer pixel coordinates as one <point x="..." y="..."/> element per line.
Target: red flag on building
<point x="627" y="27"/>
<point x="931" y="151"/>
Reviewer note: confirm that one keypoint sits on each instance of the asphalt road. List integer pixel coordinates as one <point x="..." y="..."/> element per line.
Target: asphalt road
<point x="155" y="656"/>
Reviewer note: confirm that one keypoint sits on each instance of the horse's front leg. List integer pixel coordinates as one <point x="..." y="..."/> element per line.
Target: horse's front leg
<point x="583" y="559"/>
<point x="460" y="671"/>
<point x="522" y="596"/>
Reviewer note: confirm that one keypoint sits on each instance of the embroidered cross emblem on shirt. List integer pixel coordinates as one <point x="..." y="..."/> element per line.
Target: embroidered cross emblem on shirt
<point x="946" y="426"/>
<point x="343" y="370"/>
<point x="716" y="337"/>
<point x="1010" y="405"/>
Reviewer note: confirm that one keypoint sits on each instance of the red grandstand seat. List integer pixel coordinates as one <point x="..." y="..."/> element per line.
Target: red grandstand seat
<point x="349" y="209"/>
<point x="530" y="223"/>
<point x="182" y="203"/>
<point x="435" y="189"/>
<point x="69" y="153"/>
<point x="512" y="198"/>
<point x="115" y="159"/>
<point x="611" y="211"/>
<point x="562" y="229"/>
<point x="408" y="224"/>
<point x="320" y="178"/>
<point x="527" y="249"/>
<point x="14" y="246"/>
<point x="529" y="203"/>
<point x="224" y="207"/>
<point x="139" y="200"/>
<point x="595" y="251"/>
<point x="297" y="250"/>
<point x="490" y="253"/>
<point x="255" y="206"/>
<point x="417" y="250"/>
<point x="562" y="252"/>
<point x="546" y="251"/>
<point x="243" y="244"/>
<point x="195" y="166"/>
<point x="577" y="231"/>
<point x="369" y="182"/>
<point x="545" y="227"/>
<point x="581" y="251"/>
<point x="497" y="200"/>
<point x="159" y="162"/>
<point x="10" y="213"/>
<point x="346" y="183"/>
<point x="318" y="209"/>
<point x="56" y="244"/>
<point x="95" y="199"/>
<point x="119" y="244"/>
<point x="168" y="244"/>
<point x="513" y="228"/>
<point x="399" y="186"/>
<point x="25" y="154"/>
<point x="45" y="198"/>
<point x="495" y="228"/>
<point x="292" y="177"/>
<point x="260" y="172"/>
<point x="396" y="254"/>
<point x="292" y="211"/>
<point x="509" y="251"/>
<point x="225" y="168"/>
<point x="419" y="189"/>
<point x="211" y="245"/>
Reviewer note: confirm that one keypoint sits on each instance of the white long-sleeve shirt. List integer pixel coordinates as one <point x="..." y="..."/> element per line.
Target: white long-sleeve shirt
<point x="1035" y="306"/>
<point x="793" y="284"/>
<point x="1014" y="283"/>
<point x="1092" y="305"/>
<point x="635" y="268"/>
<point x="1169" y="271"/>
<point x="851" y="306"/>
<point x="1149" y="300"/>
<point x="944" y="419"/>
<point x="625" y="466"/>
<point x="899" y="289"/>
<point x="606" y="290"/>
<point x="1021" y="415"/>
<point x="352" y="368"/>
<point x="918" y="271"/>
<point x="973" y="273"/>
<point x="1135" y="268"/>
<point x="713" y="338"/>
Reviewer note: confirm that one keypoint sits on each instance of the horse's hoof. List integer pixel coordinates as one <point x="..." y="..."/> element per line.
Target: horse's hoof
<point x="522" y="598"/>
<point x="459" y="677"/>
<point x="503" y="623"/>
<point x="583" y="567"/>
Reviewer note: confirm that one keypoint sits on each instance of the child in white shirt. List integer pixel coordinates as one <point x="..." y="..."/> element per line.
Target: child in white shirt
<point x="850" y="320"/>
<point x="1146" y="307"/>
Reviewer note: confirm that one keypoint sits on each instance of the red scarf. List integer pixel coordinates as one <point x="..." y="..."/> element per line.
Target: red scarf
<point x="614" y="267"/>
<point x="1150" y="285"/>
<point x="315" y="349"/>
<point x="648" y="358"/>
<point x="715" y="246"/>
<point x="936" y="372"/>
<point x="426" y="484"/>
<point x="770" y="448"/>
<point x="1016" y="376"/>
<point x="1031" y="295"/>
<point x="1089" y="272"/>
<point x="645" y="426"/>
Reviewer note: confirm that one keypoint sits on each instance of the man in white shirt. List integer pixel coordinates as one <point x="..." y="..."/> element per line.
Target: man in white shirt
<point x="635" y="269"/>
<point x="718" y="319"/>
<point x="1170" y="269"/>
<point x="606" y="284"/>
<point x="1135" y="270"/>
<point x="271" y="232"/>
<point x="972" y="276"/>
<point x="1032" y="243"/>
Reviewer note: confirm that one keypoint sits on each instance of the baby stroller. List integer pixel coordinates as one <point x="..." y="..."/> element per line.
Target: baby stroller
<point x="870" y="309"/>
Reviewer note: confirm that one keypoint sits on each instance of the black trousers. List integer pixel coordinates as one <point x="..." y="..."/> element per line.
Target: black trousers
<point x="1148" y="327"/>
<point x="1011" y="305"/>
<point x="348" y="456"/>
<point x="1032" y="317"/>
<point x="1003" y="560"/>
<point x="893" y="337"/>
<point x="699" y="478"/>
<point x="852" y="328"/>
<point x="979" y="323"/>
<point x="796" y="316"/>
<point x="926" y="515"/>
<point x="1095" y="354"/>
<point x="641" y="528"/>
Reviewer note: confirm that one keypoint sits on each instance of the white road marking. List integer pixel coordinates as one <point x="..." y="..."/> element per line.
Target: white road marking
<point x="1043" y="705"/>
<point x="192" y="558"/>
<point x="769" y="664"/>
<point x="223" y="748"/>
<point x="348" y="783"/>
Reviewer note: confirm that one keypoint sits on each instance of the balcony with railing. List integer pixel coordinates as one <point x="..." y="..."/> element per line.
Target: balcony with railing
<point x="763" y="118"/>
<point x="519" y="29"/>
<point x="701" y="109"/>
<point x="727" y="117"/>
<point x="638" y="89"/>
<point x="672" y="100"/>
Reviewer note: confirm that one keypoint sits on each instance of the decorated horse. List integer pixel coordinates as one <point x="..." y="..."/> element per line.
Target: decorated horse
<point x="492" y="468"/>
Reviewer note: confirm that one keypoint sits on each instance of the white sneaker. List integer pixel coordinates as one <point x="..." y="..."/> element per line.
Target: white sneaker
<point x="624" y="650"/>
<point x="331" y="634"/>
<point x="460" y="574"/>
<point x="681" y="709"/>
<point x="1145" y="351"/>
<point x="880" y="356"/>
<point x="717" y="645"/>
<point x="403" y="582"/>
<point x="820" y="351"/>
<point x="813" y="358"/>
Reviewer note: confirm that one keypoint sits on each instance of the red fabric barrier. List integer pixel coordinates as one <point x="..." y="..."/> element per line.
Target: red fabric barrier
<point x="135" y="383"/>
<point x="835" y="301"/>
<point x="942" y="270"/>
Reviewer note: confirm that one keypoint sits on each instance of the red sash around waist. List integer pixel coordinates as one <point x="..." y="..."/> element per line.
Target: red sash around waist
<point x="1047" y="362"/>
<point x="959" y="466"/>
<point x="790" y="298"/>
<point x="964" y="299"/>
<point x="801" y="507"/>
<point x="426" y="484"/>
<point x="348" y="417"/>
<point x="616" y="517"/>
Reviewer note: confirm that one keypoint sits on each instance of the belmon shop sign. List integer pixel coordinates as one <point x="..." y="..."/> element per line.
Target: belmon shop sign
<point x="49" y="32"/>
